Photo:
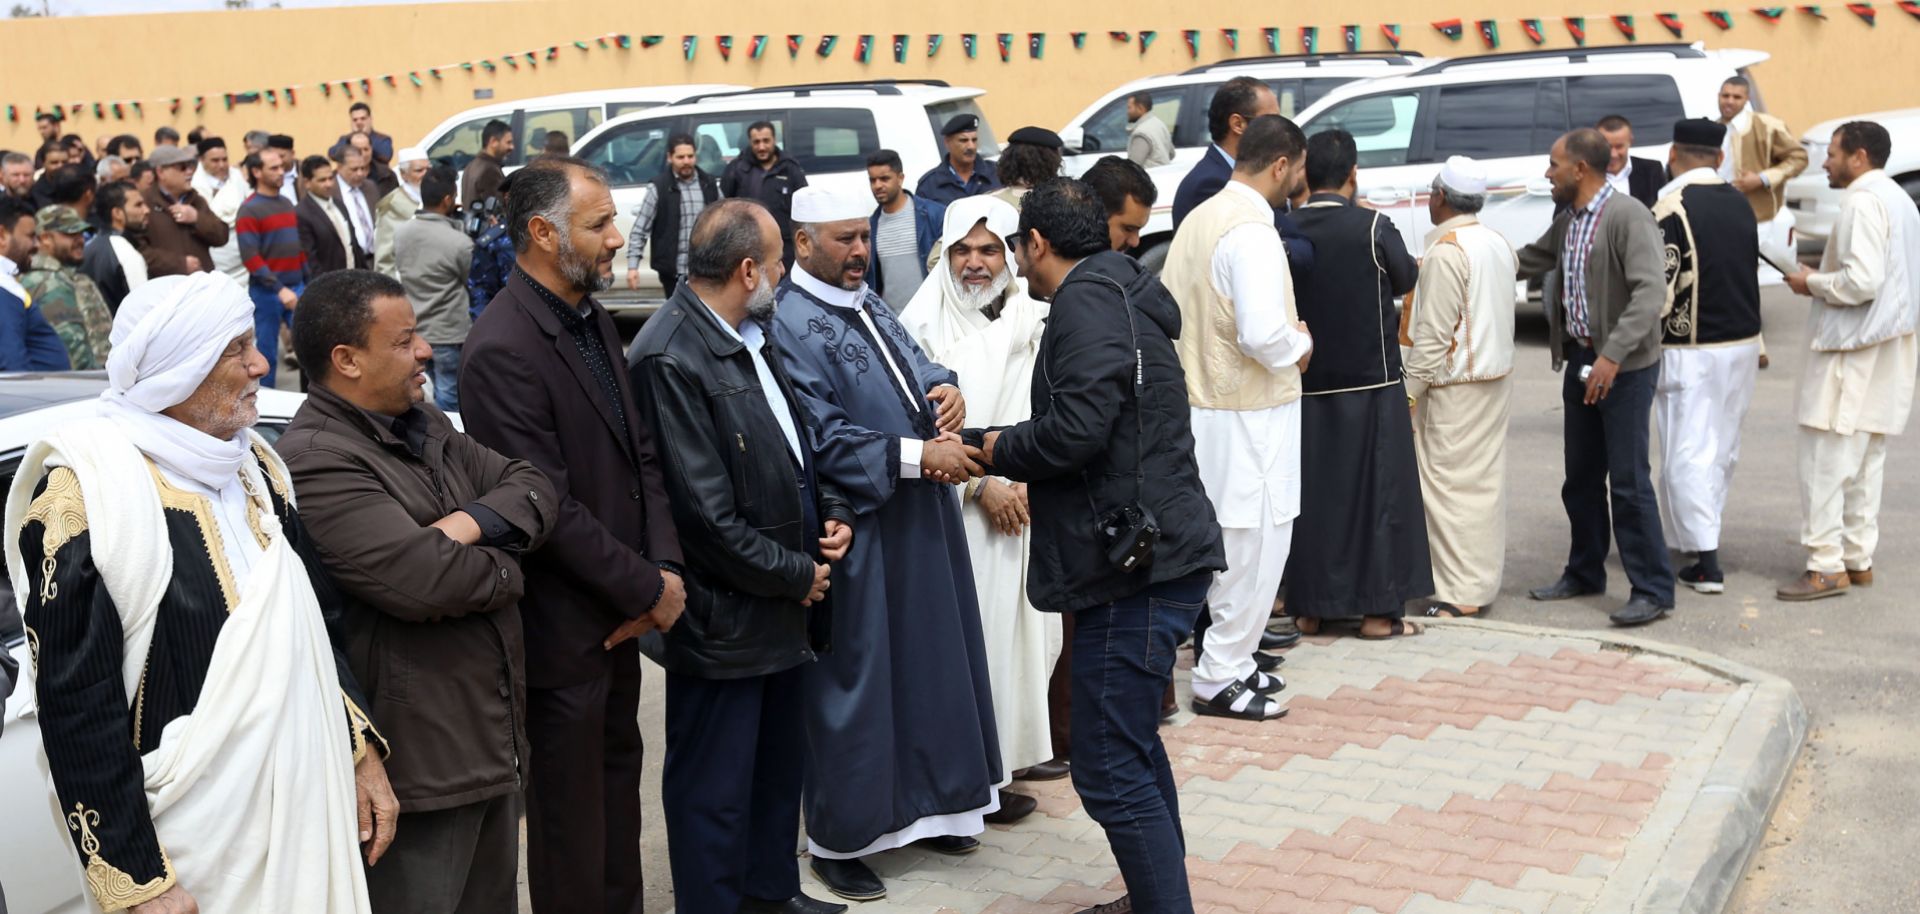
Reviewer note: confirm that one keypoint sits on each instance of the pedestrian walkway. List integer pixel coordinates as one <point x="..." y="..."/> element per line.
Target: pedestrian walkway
<point x="1478" y="768"/>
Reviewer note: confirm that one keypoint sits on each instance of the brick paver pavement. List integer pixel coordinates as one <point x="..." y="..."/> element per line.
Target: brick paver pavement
<point x="1463" y="770"/>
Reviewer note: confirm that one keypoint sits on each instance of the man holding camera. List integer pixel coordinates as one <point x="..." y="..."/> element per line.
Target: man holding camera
<point x="1131" y="562"/>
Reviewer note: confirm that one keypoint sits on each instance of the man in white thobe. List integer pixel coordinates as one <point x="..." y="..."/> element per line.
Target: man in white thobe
<point x="1858" y="384"/>
<point x="1243" y="348"/>
<point x="203" y="737"/>
<point x="410" y="166"/>
<point x="973" y="316"/>
<point x="1457" y="351"/>
<point x="224" y="191"/>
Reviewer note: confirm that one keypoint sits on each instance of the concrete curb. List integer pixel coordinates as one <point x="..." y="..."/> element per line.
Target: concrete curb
<point x="1722" y="827"/>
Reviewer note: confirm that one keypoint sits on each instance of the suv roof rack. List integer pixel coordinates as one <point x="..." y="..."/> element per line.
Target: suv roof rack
<point x="801" y="90"/>
<point x="1571" y="55"/>
<point x="1392" y="58"/>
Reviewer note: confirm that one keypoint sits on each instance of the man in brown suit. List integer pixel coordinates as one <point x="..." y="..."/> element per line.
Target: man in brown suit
<point x="1762" y="155"/>
<point x="541" y="381"/>
<point x="184" y="229"/>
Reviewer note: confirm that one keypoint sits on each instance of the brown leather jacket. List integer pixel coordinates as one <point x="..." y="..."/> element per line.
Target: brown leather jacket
<point x="432" y="626"/>
<point x="166" y="243"/>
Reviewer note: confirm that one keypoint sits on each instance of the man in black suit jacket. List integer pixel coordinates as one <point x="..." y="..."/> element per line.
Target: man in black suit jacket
<point x="1642" y="178"/>
<point x="541" y="381"/>
<point x="1236" y="103"/>
<point x="318" y="219"/>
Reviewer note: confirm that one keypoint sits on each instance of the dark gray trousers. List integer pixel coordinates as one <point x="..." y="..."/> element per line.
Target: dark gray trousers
<point x="463" y="860"/>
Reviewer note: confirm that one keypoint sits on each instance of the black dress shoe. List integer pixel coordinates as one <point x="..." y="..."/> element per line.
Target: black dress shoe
<point x="1272" y="641"/>
<point x="1564" y="589"/>
<point x="1013" y="808"/>
<point x="849" y="879"/>
<point x="1267" y="663"/>
<point x="1121" y="905"/>
<point x="1638" y="611"/>
<point x="951" y="845"/>
<point x="1052" y="770"/>
<point x="798" y="904"/>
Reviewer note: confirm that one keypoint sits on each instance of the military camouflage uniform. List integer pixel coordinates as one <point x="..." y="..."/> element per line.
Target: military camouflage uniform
<point x="75" y="308"/>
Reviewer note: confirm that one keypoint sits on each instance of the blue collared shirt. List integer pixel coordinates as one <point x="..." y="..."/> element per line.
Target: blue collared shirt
<point x="942" y="185"/>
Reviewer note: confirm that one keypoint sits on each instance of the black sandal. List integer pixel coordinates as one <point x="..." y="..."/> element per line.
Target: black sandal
<point x="1273" y="684"/>
<point x="1221" y="705"/>
<point x="1398" y="628"/>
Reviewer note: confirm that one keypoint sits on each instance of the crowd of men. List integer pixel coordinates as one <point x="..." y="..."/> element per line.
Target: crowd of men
<point x="899" y="488"/>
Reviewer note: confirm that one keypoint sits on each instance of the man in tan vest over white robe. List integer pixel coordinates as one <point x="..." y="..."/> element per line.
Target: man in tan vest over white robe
<point x="1243" y="349"/>
<point x="1457" y="351"/>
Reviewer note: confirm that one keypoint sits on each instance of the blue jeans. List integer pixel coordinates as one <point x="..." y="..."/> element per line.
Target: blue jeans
<point x="268" y="315"/>
<point x="445" y="372"/>
<point x="1607" y="467"/>
<point x="1123" y="656"/>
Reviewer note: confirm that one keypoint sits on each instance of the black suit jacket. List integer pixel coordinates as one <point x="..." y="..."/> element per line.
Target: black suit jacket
<point x="362" y="247"/>
<point x="1646" y="179"/>
<point x="526" y="393"/>
<point x="1207" y="179"/>
<point x="318" y="238"/>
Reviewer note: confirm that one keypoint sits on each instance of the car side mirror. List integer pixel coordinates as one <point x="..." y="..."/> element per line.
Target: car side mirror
<point x="1074" y="141"/>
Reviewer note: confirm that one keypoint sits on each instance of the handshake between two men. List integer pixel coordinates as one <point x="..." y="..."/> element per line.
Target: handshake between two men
<point x="949" y="458"/>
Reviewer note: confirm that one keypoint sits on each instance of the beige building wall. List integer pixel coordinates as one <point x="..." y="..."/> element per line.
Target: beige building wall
<point x="1818" y="69"/>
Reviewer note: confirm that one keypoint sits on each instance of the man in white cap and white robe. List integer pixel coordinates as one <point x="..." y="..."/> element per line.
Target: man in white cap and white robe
<point x="973" y="315"/>
<point x="1456" y="342"/>
<point x="204" y="739"/>
<point x="900" y="729"/>
<point x="410" y="165"/>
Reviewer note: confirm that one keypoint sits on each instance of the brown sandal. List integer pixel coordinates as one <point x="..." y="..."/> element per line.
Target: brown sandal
<point x="1396" y="628"/>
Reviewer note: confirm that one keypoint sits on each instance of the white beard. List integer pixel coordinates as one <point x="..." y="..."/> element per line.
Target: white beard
<point x="979" y="298"/>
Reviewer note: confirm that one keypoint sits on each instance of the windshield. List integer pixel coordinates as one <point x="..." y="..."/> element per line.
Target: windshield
<point x="939" y="114"/>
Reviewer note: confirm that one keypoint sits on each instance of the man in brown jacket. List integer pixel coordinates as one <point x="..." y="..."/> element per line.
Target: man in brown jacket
<point x="422" y="528"/>
<point x="183" y="230"/>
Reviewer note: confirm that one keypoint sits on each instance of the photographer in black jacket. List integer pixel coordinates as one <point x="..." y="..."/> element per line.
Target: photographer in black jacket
<point x="1132" y="562"/>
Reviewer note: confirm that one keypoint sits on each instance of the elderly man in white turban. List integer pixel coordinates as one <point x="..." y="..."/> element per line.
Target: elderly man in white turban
<point x="973" y="316"/>
<point x="410" y="164"/>
<point x="899" y="716"/>
<point x="1456" y="341"/>
<point x="203" y="737"/>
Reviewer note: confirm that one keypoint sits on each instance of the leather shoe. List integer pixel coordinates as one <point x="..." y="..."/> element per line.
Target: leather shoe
<point x="1121" y="905"/>
<point x="951" y="845"/>
<point x="1273" y="641"/>
<point x="1267" y="663"/>
<point x="1861" y="578"/>
<point x="1564" y="589"/>
<point x="1013" y="808"/>
<point x="849" y="879"/>
<point x="798" y="904"/>
<point x="1812" y="585"/>
<point x="1051" y="770"/>
<point x="1638" y="611"/>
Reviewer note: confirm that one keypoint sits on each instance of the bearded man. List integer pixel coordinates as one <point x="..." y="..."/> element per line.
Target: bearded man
<point x="975" y="317"/>
<point x="204" y="739"/>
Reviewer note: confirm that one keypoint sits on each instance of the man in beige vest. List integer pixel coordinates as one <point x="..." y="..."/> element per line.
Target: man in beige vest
<point x="1243" y="350"/>
<point x="1457" y="336"/>
<point x="396" y="208"/>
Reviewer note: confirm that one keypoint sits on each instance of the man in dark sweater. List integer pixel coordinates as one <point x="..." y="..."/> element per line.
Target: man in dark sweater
<point x="484" y="174"/>
<point x="269" y="237"/>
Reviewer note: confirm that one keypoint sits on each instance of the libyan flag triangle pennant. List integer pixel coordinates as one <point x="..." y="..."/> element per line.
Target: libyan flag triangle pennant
<point x="1770" y="13"/>
<point x="827" y="44"/>
<point x="1192" y="38"/>
<point x="1036" y="44"/>
<point x="793" y="45"/>
<point x="687" y="45"/>
<point x="899" y="49"/>
<point x="1671" y="21"/>
<point x="1233" y="39"/>
<point x="1450" y="28"/>
<point x="725" y="44"/>
<point x="758" y="47"/>
<point x="1079" y="40"/>
<point x="1534" y="31"/>
<point x="1863" y="10"/>
<point x="1005" y="41"/>
<point x="1489" y="32"/>
<point x="1350" y="36"/>
<point x="1272" y="37"/>
<point x="1815" y="12"/>
<point x="1310" y="39"/>
<point x="1625" y="25"/>
<point x="647" y="41"/>
<point x="1392" y="34"/>
<point x="1577" y="27"/>
<point x="863" y="49"/>
<point x="1911" y="6"/>
<point x="1720" y="18"/>
<point x="970" y="43"/>
<point x="1121" y="36"/>
<point x="1146" y="40"/>
<point x="933" y="44"/>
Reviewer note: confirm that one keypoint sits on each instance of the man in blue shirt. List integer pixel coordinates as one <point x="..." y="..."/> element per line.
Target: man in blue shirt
<point x="962" y="173"/>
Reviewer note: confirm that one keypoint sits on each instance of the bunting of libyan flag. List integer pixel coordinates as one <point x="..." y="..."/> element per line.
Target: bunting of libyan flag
<point x="1192" y="38"/>
<point x="1577" y="27"/>
<point x="1489" y="32"/>
<point x="759" y="47"/>
<point x="1671" y="21"/>
<point x="725" y="44"/>
<point x="899" y="49"/>
<point x="1911" y="6"/>
<point x="1721" y="18"/>
<point x="1770" y="13"/>
<point x="1392" y="34"/>
<point x="1310" y="39"/>
<point x="688" y="43"/>
<point x="1233" y="39"/>
<point x="970" y="43"/>
<point x="933" y="44"/>
<point x="1272" y="37"/>
<point x="1450" y="28"/>
<point x="1146" y="40"/>
<point x="827" y="44"/>
<point x="1005" y="40"/>
<point x="1625" y="25"/>
<point x="1036" y="44"/>
<point x="1534" y="31"/>
<point x="863" y="49"/>
<point x="793" y="46"/>
<point x="1863" y="10"/>
<point x="1350" y="35"/>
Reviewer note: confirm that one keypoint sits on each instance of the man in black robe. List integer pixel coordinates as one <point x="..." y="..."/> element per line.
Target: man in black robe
<point x="1360" y="543"/>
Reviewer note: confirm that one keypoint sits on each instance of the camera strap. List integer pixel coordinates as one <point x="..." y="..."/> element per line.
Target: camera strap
<point x="1139" y="402"/>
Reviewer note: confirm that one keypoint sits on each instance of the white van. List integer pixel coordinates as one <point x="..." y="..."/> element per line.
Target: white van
<point x="457" y="140"/>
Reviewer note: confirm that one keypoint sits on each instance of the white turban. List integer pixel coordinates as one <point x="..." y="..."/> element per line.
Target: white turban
<point x="965" y="213"/>
<point x="812" y="205"/>
<point x="409" y="154"/>
<point x="166" y="339"/>
<point x="1463" y="175"/>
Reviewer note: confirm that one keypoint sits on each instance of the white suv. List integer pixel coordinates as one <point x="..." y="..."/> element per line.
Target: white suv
<point x="1506" y="110"/>
<point x="457" y="139"/>
<point x="1815" y="205"/>
<point x="829" y="128"/>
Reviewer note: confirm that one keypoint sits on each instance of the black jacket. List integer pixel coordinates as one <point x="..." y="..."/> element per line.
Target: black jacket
<point x="749" y="534"/>
<point x="663" y="243"/>
<point x="1646" y="179"/>
<point x="1079" y="452"/>
<point x="775" y="190"/>
<point x="1362" y="269"/>
<point x="318" y="237"/>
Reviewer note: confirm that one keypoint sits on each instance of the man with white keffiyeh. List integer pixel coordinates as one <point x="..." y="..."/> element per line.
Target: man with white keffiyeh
<point x="203" y="738"/>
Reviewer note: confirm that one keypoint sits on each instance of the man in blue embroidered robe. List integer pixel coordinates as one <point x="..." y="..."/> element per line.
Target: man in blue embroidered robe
<point x="901" y="739"/>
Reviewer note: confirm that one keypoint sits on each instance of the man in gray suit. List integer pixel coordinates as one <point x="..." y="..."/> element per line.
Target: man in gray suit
<point x="1603" y="303"/>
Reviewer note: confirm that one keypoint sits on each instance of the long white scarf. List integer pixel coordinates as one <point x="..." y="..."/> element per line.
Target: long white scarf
<point x="252" y="794"/>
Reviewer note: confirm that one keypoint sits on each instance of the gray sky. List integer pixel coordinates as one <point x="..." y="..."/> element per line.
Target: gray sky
<point x="108" y="7"/>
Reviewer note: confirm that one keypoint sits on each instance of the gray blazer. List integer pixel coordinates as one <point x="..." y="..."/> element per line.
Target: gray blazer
<point x="432" y="253"/>
<point x="1626" y="283"/>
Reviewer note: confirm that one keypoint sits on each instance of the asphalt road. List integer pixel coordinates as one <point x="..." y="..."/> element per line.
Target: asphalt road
<point x="1843" y="839"/>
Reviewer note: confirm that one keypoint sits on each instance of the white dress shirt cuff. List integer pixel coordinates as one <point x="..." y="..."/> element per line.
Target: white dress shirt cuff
<point x="910" y="457"/>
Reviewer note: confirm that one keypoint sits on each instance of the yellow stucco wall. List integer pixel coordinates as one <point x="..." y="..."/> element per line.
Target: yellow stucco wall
<point x="1819" y="69"/>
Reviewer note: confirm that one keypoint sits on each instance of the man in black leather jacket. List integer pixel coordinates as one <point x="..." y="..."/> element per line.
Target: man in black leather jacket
<point x="1109" y="414"/>
<point x="759" y="533"/>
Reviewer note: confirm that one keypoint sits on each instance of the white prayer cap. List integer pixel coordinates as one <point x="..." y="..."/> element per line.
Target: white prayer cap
<point x="1464" y="175"/>
<point x="817" y="204"/>
<point x="168" y="335"/>
<point x="409" y="154"/>
<point x="966" y="212"/>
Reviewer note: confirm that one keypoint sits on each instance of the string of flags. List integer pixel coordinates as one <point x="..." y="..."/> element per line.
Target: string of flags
<point x="1535" y="30"/>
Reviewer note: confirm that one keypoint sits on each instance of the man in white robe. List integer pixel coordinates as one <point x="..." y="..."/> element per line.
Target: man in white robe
<point x="974" y="316"/>
<point x="1243" y="348"/>
<point x="204" y="739"/>
<point x="1457" y="344"/>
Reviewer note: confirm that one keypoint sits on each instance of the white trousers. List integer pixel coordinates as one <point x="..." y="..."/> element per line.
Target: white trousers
<point x="1840" y="480"/>
<point x="1240" y="602"/>
<point x="1698" y="406"/>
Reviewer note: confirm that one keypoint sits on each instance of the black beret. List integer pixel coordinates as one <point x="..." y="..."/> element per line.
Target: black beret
<point x="960" y="123"/>
<point x="210" y="143"/>
<point x="1698" y="131"/>
<point x="1036" y="136"/>
<point x="279" y="141"/>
